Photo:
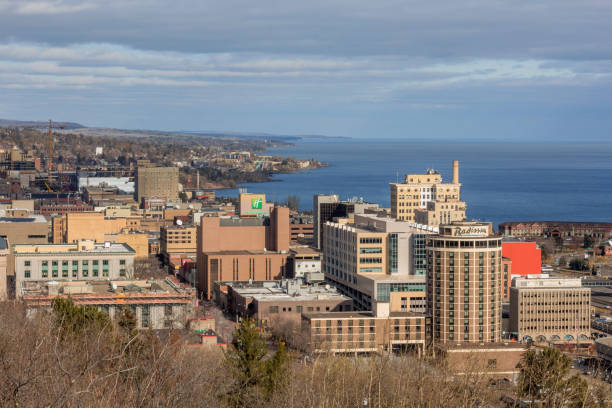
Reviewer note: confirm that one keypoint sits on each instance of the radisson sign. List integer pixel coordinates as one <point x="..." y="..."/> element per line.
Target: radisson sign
<point x="469" y="231"/>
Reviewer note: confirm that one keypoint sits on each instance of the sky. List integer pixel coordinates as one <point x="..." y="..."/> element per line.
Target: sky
<point x="471" y="69"/>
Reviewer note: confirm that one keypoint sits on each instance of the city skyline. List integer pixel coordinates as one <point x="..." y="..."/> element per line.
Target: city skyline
<point x="478" y="70"/>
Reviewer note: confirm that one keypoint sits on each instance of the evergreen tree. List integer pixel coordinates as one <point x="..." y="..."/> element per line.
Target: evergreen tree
<point x="544" y="379"/>
<point x="254" y="376"/>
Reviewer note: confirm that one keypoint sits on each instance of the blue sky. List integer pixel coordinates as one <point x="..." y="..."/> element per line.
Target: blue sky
<point x="489" y="69"/>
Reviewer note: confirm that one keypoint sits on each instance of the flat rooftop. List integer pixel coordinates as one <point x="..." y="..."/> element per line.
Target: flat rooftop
<point x="100" y="248"/>
<point x="29" y="218"/>
<point x="287" y="290"/>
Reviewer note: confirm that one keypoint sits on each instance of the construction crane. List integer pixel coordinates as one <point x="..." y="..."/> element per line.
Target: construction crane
<point x="50" y="141"/>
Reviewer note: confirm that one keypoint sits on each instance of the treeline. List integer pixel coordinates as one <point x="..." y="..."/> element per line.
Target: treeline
<point x="76" y="357"/>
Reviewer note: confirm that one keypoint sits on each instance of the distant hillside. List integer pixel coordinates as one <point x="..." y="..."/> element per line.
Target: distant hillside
<point x="100" y="131"/>
<point x="38" y="124"/>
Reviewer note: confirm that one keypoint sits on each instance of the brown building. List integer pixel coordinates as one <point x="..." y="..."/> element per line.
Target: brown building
<point x="278" y="302"/>
<point x="242" y="249"/>
<point x="491" y="360"/>
<point x="76" y="206"/>
<point x="364" y="332"/>
<point x="464" y="283"/>
<point x="544" y="310"/>
<point x="156" y="182"/>
<point x="597" y="230"/>
<point x="298" y="231"/>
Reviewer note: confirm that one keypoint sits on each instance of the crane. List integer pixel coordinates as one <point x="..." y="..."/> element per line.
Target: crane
<point x="50" y="141"/>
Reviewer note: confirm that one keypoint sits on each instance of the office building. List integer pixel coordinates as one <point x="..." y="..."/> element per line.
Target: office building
<point x="425" y="199"/>
<point x="364" y="332"/>
<point x="550" y="310"/>
<point x="378" y="261"/>
<point x="328" y="207"/>
<point x="239" y="249"/>
<point x="272" y="303"/>
<point x="84" y="260"/>
<point x="177" y="239"/>
<point x="156" y="182"/>
<point x="156" y="304"/>
<point x="464" y="283"/>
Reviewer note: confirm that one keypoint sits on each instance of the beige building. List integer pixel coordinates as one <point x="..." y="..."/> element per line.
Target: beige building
<point x="156" y="182"/>
<point x="364" y="332"/>
<point x="73" y="227"/>
<point x="425" y="199"/>
<point x="138" y="241"/>
<point x="4" y="262"/>
<point x="156" y="304"/>
<point x="33" y="229"/>
<point x="83" y="260"/>
<point x="464" y="284"/>
<point x="177" y="239"/>
<point x="377" y="261"/>
<point x="550" y="310"/>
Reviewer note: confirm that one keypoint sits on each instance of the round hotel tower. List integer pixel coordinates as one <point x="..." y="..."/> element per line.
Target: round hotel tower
<point x="464" y="283"/>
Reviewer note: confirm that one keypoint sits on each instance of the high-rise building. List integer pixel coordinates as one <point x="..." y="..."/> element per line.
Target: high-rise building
<point x="377" y="261"/>
<point x="464" y="283"/>
<point x="328" y="207"/>
<point x="242" y="249"/>
<point x="425" y="199"/>
<point x="156" y="182"/>
<point x="544" y="310"/>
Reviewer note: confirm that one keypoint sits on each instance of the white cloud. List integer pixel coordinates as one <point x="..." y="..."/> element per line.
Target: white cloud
<point x="50" y="7"/>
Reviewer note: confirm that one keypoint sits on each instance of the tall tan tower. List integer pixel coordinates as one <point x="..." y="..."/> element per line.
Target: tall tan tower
<point x="455" y="171"/>
<point x="464" y="283"/>
<point x="425" y="199"/>
<point x="156" y="182"/>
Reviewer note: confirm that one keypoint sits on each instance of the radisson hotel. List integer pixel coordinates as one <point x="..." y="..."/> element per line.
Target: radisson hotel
<point x="464" y="283"/>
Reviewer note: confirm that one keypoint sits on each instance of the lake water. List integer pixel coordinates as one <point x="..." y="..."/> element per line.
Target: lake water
<point x="500" y="181"/>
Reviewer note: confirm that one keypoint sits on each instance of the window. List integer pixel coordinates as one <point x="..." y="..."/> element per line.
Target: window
<point x="105" y="267"/>
<point x="64" y="269"/>
<point x="95" y="268"/>
<point x="26" y="273"/>
<point x="122" y="262"/>
<point x="26" y="263"/>
<point x="145" y="316"/>
<point x="298" y="309"/>
<point x="85" y="267"/>
<point x="168" y="310"/>
<point x="273" y="309"/>
<point x="54" y="271"/>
